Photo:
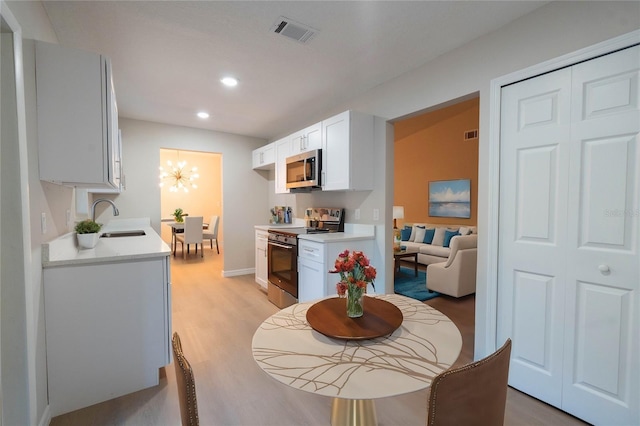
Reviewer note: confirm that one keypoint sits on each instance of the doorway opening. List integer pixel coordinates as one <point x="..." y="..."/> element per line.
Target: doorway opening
<point x="203" y="198"/>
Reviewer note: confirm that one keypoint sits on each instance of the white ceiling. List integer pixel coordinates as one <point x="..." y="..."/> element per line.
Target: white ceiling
<point x="168" y="56"/>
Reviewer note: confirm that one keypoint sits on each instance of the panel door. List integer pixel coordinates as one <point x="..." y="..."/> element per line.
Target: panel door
<point x="569" y="267"/>
<point x="535" y="139"/>
<point x="602" y="356"/>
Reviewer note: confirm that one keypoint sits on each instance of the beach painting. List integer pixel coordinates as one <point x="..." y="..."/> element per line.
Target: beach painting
<point x="450" y="198"/>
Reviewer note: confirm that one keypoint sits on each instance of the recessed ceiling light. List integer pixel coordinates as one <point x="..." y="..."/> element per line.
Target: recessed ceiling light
<point x="203" y="114"/>
<point x="229" y="81"/>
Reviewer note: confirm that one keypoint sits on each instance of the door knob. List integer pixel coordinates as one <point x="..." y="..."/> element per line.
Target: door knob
<point x="604" y="269"/>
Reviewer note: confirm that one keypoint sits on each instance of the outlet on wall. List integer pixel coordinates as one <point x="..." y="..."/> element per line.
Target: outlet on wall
<point x="376" y="214"/>
<point x="357" y="214"/>
<point x="68" y="217"/>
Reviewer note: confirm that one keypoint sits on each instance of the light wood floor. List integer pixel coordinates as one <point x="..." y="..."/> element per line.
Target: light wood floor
<point x="216" y="318"/>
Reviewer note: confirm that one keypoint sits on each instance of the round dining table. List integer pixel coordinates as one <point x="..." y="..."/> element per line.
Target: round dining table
<point x="352" y="370"/>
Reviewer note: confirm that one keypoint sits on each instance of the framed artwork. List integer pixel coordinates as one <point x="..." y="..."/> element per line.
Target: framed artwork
<point x="450" y="198"/>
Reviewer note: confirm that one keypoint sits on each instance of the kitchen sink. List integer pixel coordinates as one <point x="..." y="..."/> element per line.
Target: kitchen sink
<point x="115" y="234"/>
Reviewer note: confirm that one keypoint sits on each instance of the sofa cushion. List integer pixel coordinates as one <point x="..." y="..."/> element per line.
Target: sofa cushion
<point x="464" y="230"/>
<point x="420" y="235"/>
<point x="447" y="237"/>
<point x="428" y="235"/>
<point x="438" y="237"/>
<point x="414" y="233"/>
<point x="405" y="233"/>
<point x="432" y="250"/>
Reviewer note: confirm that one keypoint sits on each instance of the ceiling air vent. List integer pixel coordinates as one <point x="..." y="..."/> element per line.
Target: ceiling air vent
<point x="293" y="30"/>
<point x="471" y="134"/>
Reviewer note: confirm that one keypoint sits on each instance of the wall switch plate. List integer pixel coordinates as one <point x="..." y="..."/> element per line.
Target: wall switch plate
<point x="376" y="214"/>
<point x="43" y="223"/>
<point x="357" y="214"/>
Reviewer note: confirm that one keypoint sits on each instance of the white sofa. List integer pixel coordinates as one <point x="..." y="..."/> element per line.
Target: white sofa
<point x="436" y="253"/>
<point x="450" y="270"/>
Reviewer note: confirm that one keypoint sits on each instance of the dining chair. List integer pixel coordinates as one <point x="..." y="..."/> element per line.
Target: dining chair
<point x="186" y="385"/>
<point x="212" y="232"/>
<point x="192" y="234"/>
<point x="474" y="394"/>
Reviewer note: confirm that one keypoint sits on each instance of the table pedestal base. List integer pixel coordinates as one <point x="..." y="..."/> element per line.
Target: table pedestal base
<point x="352" y="412"/>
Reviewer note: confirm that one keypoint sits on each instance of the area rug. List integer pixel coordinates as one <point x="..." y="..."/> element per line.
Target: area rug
<point x="407" y="284"/>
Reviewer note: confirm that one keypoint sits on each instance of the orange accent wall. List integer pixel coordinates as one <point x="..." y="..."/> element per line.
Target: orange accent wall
<point x="431" y="147"/>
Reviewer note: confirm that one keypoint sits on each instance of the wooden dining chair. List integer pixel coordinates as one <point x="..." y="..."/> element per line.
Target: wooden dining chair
<point x="212" y="232"/>
<point x="186" y="385"/>
<point x="475" y="394"/>
<point x="192" y="234"/>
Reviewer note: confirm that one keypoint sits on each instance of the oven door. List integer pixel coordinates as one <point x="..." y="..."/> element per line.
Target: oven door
<point x="282" y="263"/>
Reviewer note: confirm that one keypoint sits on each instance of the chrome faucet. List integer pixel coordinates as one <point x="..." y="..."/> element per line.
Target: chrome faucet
<point x="93" y="207"/>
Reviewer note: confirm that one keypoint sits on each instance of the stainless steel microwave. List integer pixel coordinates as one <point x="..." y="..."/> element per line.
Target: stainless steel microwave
<point x="304" y="170"/>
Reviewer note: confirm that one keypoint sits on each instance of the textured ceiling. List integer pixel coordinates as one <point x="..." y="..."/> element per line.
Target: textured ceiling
<point x="168" y="56"/>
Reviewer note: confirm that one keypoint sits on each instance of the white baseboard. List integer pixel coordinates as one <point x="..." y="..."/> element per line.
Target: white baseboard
<point x="237" y="272"/>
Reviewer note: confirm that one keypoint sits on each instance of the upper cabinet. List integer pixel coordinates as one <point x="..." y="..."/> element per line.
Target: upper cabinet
<point x="347" y="152"/>
<point x="264" y="158"/>
<point x="78" y="142"/>
<point x="306" y="139"/>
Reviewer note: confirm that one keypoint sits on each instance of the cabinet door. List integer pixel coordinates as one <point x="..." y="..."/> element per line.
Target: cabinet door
<point x="347" y="152"/>
<point x="282" y="152"/>
<point x="306" y="139"/>
<point x="336" y="155"/>
<point x="108" y="328"/>
<point x="264" y="157"/>
<point x="76" y="109"/>
<point x="261" y="258"/>
<point x="311" y="276"/>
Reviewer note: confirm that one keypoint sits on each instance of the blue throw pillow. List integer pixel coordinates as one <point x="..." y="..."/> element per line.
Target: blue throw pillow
<point x="405" y="233"/>
<point x="428" y="235"/>
<point x="448" y="235"/>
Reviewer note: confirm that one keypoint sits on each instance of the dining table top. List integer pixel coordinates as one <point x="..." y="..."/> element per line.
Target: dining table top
<point x="427" y="342"/>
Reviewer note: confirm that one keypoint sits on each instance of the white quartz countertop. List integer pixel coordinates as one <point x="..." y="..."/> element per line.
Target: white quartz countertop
<point x="64" y="250"/>
<point x="279" y="226"/>
<point x="331" y="237"/>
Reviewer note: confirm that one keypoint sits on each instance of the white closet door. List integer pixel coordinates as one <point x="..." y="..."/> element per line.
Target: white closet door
<point x="535" y="148"/>
<point x="569" y="245"/>
<point x="602" y="356"/>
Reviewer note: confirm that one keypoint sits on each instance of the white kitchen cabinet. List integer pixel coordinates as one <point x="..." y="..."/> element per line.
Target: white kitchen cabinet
<point x="306" y="139"/>
<point x="77" y="118"/>
<point x="108" y="329"/>
<point x="316" y="259"/>
<point x="118" y="170"/>
<point x="283" y="149"/>
<point x="347" y="152"/>
<point x="264" y="158"/>
<point x="261" y="257"/>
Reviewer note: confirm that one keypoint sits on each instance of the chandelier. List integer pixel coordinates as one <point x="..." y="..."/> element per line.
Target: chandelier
<point x="178" y="176"/>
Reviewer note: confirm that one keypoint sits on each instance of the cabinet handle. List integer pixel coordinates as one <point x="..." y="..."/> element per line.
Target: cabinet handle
<point x="604" y="269"/>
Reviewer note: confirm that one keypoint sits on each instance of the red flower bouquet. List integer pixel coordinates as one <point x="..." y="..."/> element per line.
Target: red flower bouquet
<point x="355" y="272"/>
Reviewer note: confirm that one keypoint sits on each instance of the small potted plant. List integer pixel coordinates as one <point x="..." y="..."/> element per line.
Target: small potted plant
<point x="87" y="233"/>
<point x="178" y="215"/>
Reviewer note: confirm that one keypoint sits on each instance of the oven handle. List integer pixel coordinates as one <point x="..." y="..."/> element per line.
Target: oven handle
<point x="281" y="245"/>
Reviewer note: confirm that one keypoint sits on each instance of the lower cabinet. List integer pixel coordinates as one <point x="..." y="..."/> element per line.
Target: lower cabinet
<point x="316" y="259"/>
<point x="261" y="258"/>
<point x="108" y="330"/>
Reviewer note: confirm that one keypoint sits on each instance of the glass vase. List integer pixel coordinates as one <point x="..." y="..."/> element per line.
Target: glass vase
<point x="355" y="303"/>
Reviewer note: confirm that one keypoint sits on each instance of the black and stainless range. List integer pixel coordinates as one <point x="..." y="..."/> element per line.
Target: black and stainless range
<point x="282" y="265"/>
<point x="282" y="253"/>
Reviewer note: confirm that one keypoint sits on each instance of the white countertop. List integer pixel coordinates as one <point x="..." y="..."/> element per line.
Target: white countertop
<point x="64" y="250"/>
<point x="352" y="232"/>
<point x="331" y="237"/>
